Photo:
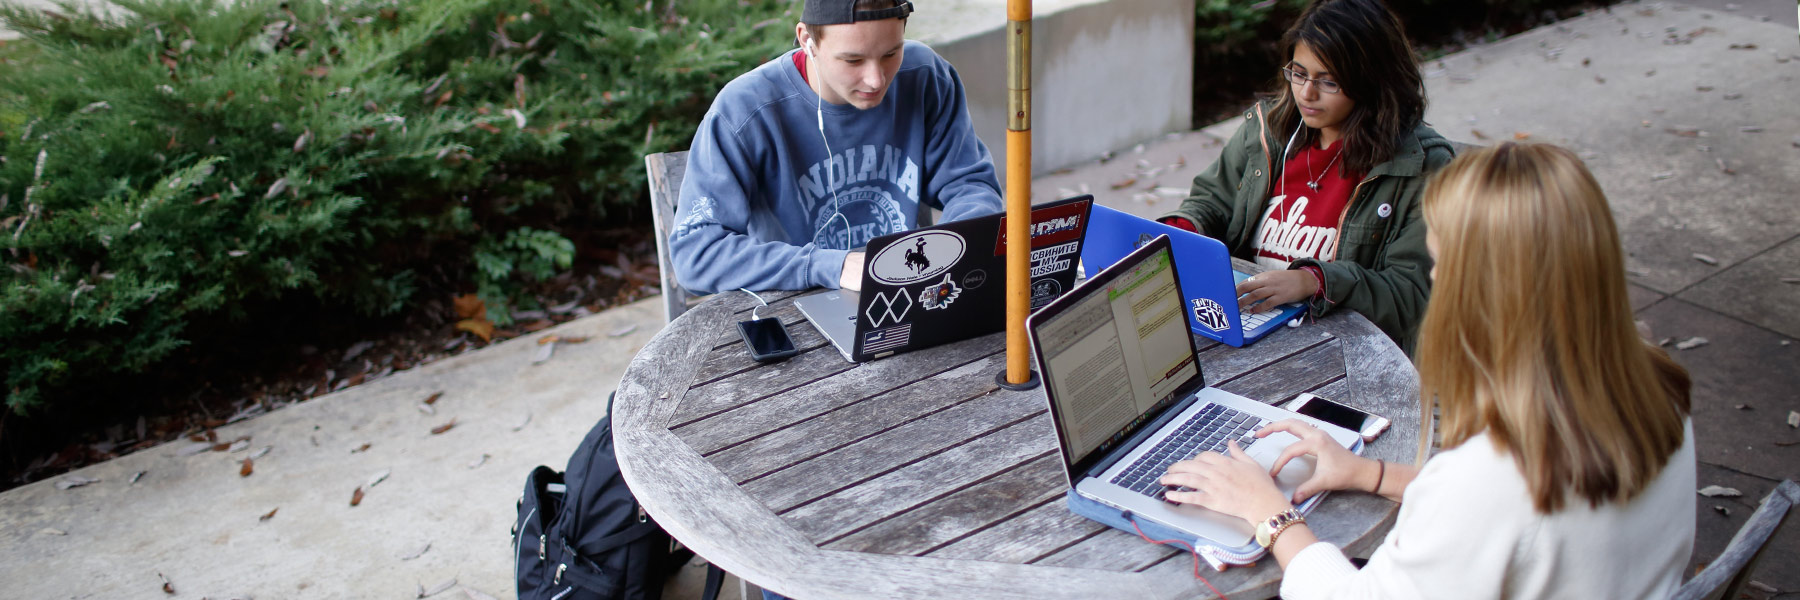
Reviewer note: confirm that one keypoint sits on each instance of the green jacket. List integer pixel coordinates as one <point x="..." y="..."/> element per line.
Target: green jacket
<point x="1382" y="268"/>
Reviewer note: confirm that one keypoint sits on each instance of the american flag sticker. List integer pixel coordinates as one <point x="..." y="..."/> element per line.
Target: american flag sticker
<point x="881" y="340"/>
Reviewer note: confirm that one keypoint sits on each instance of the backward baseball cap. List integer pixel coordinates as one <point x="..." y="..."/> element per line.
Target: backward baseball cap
<point x="838" y="12"/>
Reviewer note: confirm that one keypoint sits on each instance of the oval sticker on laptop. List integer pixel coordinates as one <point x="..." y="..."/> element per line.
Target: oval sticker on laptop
<point x="917" y="257"/>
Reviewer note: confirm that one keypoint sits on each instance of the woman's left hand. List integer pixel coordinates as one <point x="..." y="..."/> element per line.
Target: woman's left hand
<point x="1271" y="288"/>
<point x="1235" y="485"/>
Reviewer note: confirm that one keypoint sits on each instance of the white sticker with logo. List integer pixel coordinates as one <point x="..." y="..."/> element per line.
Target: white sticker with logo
<point x="1043" y="291"/>
<point x="917" y="257"/>
<point x="1210" y="315"/>
<point x="889" y="307"/>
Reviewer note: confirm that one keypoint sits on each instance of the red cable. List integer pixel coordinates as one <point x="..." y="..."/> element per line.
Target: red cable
<point x="1191" y="550"/>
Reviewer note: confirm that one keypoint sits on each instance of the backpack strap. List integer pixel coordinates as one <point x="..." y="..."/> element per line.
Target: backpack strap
<point x="577" y="569"/>
<point x="715" y="578"/>
<point x="629" y="535"/>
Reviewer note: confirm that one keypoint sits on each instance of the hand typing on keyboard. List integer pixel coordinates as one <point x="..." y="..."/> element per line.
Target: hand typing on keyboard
<point x="1264" y="291"/>
<point x="1210" y="431"/>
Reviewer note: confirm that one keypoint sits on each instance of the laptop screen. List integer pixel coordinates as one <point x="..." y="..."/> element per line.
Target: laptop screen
<point x="1116" y="352"/>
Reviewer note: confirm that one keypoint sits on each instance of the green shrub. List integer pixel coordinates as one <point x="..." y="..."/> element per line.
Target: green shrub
<point x="195" y="157"/>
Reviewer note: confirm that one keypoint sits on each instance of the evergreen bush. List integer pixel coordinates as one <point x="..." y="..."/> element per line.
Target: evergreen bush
<point x="189" y="158"/>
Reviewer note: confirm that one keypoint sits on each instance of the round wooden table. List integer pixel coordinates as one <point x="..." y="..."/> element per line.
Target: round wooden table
<point x="915" y="476"/>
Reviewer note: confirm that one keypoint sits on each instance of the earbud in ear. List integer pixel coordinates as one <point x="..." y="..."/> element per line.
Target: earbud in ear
<point x="812" y="50"/>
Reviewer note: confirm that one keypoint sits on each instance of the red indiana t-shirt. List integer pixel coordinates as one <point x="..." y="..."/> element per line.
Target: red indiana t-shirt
<point x="1300" y="222"/>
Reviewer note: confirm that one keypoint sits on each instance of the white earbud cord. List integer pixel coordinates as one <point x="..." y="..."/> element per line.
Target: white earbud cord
<point x="830" y="159"/>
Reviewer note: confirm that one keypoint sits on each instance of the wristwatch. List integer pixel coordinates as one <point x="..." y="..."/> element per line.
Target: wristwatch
<point x="1269" y="529"/>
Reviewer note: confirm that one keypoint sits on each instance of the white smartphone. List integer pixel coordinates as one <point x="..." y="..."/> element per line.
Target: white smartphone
<point x="1368" y="425"/>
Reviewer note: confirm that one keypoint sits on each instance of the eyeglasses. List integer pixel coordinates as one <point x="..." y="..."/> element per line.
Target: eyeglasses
<point x="1299" y="80"/>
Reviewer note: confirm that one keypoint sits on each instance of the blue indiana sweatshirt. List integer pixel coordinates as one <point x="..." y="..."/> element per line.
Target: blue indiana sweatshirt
<point x="757" y="202"/>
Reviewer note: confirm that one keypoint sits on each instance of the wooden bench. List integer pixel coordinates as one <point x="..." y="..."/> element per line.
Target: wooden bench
<point x="1726" y="575"/>
<point x="666" y="170"/>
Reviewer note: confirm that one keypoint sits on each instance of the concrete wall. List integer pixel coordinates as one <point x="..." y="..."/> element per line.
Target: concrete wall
<point x="1106" y="74"/>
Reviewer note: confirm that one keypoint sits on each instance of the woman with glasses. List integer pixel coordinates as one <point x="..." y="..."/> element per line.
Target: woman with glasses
<point x="1321" y="182"/>
<point x="1567" y="468"/>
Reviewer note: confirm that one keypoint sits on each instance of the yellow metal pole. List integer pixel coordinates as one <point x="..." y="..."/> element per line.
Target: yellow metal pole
<point x="1018" y="190"/>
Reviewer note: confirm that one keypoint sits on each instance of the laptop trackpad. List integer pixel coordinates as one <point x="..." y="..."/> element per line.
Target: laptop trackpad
<point x="1294" y="473"/>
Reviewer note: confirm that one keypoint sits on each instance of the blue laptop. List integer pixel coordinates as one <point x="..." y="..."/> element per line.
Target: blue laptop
<point x="1208" y="283"/>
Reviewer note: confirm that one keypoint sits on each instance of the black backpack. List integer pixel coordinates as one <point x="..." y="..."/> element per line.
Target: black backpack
<point x="581" y="535"/>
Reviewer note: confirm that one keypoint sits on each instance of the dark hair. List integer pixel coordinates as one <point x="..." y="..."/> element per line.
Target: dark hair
<point x="818" y="31"/>
<point x="1364" y="47"/>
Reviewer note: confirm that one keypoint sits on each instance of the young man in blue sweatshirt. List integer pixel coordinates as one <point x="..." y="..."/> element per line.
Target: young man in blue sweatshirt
<point x="806" y="158"/>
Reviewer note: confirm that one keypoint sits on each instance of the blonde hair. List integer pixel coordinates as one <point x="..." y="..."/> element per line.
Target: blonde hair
<point x="1529" y="334"/>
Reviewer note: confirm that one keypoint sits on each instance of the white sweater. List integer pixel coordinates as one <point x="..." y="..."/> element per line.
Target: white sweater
<point x="1468" y="530"/>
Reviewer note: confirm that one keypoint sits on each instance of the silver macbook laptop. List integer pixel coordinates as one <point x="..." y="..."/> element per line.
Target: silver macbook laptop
<point x="1128" y="397"/>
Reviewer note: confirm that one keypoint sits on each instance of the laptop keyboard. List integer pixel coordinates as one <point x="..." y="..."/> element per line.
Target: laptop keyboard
<point x="1252" y="321"/>
<point x="1208" y="431"/>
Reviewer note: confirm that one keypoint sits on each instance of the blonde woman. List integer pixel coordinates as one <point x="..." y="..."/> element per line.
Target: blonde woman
<point x="1567" y="467"/>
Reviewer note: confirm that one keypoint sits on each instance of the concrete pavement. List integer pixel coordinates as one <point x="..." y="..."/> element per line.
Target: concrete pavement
<point x="1653" y="95"/>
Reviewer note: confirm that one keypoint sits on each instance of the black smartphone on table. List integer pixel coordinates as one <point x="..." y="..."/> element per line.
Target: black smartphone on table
<point x="767" y="339"/>
<point x="1367" y="425"/>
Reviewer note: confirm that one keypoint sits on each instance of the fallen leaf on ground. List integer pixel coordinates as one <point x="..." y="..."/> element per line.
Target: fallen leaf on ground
<point x="1743" y="407"/>
<point x="1791" y="280"/>
<point x="445" y="427"/>
<point x="363" y="448"/>
<point x="1714" y="491"/>
<point x="168" y="586"/>
<point x="357" y="496"/>
<point x="432" y="399"/>
<point x="74" y="481"/>
<point x="427" y="409"/>
<point x="1661" y="175"/>
<point x="1724" y="169"/>
<point x="1521" y="135"/>
<point x="1733" y="96"/>
<point x="1687" y="132"/>
<point x="1124" y="183"/>
<point x="475" y="594"/>
<point x="1794" y="419"/>
<point x="416" y="553"/>
<point x="544" y="352"/>
<point x="377" y="478"/>
<point x="1763" y="587"/>
<point x="239" y="446"/>
<point x="436" y="589"/>
<point x="53" y="531"/>
<point x="482" y="328"/>
<point x="469" y="306"/>
<point x="261" y="452"/>
<point x="248" y="468"/>
<point x="1691" y="343"/>
<point x="1708" y="259"/>
<point x="268" y="515"/>
<point x="1722" y="510"/>
<point x="572" y="340"/>
<point x="522" y="422"/>
<point x="1741" y="47"/>
<point x="480" y="460"/>
<point x="135" y="477"/>
<point x="1750" y="129"/>
<point x="194" y="448"/>
<point x="548" y="339"/>
<point x="620" y="332"/>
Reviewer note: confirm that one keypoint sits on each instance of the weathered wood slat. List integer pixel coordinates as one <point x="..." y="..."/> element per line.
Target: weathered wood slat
<point x="830" y="431"/>
<point x="819" y="399"/>
<point x="891" y="449"/>
<point x="1111" y="550"/>
<point x="1281" y="381"/>
<point x="940" y="474"/>
<point x="1223" y="363"/>
<point x="932" y="524"/>
<point x="743" y="388"/>
<point x="1027" y="537"/>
